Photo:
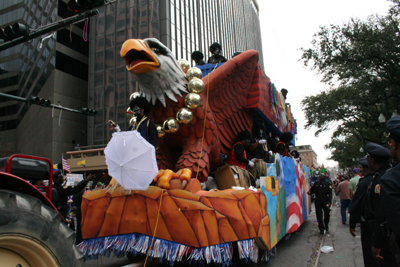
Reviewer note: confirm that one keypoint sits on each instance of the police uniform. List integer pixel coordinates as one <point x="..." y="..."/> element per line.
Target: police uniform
<point x="367" y="210"/>
<point x="357" y="211"/>
<point x="389" y="212"/>
<point x="323" y="197"/>
<point x="366" y="229"/>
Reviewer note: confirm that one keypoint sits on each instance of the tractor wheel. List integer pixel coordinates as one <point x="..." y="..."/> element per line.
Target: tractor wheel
<point x="32" y="234"/>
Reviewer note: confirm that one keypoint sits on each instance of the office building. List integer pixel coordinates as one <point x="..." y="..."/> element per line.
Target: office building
<point x="182" y="25"/>
<point x="307" y="155"/>
<point x="53" y="67"/>
<point x="74" y="73"/>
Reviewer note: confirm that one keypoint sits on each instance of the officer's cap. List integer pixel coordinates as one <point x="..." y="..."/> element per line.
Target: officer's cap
<point x="377" y="152"/>
<point x="393" y="126"/>
<point x="363" y="161"/>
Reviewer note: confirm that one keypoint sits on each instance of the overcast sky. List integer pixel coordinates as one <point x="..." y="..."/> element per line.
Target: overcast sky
<point x="289" y="25"/>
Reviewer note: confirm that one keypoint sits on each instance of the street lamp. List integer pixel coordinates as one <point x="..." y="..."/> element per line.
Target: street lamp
<point x="382" y="119"/>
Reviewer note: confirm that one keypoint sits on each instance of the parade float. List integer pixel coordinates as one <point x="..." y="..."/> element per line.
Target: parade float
<point x="198" y="119"/>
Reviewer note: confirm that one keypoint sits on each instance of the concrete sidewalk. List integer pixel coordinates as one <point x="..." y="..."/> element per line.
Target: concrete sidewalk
<point x="302" y="248"/>
<point x="347" y="249"/>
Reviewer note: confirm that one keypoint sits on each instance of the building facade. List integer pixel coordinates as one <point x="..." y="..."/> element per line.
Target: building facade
<point x="53" y="67"/>
<point x="183" y="26"/>
<point x="308" y="155"/>
<point x="74" y="73"/>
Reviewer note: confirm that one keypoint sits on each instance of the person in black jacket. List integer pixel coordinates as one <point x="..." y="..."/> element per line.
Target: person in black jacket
<point x="323" y="202"/>
<point x="198" y="57"/>
<point x="64" y="193"/>
<point x="377" y="162"/>
<point x="388" y="216"/>
<point x="144" y="125"/>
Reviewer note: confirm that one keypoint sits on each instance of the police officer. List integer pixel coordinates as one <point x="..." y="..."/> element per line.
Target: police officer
<point x="323" y="201"/>
<point x="377" y="161"/>
<point x="389" y="212"/>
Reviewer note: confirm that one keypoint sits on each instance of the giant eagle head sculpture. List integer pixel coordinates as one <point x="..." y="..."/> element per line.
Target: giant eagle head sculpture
<point x="157" y="71"/>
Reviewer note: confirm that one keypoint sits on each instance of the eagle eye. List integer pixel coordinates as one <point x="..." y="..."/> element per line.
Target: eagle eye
<point x="156" y="50"/>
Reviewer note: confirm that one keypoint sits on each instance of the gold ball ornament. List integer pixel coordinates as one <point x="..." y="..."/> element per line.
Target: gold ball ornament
<point x="129" y="113"/>
<point x="192" y="100"/>
<point x="196" y="86"/>
<point x="132" y="121"/>
<point x="184" y="116"/>
<point x="134" y="95"/>
<point x="160" y="131"/>
<point x="194" y="73"/>
<point x="184" y="65"/>
<point x="170" y="125"/>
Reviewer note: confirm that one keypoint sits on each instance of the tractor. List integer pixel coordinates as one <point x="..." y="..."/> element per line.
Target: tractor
<point x="32" y="232"/>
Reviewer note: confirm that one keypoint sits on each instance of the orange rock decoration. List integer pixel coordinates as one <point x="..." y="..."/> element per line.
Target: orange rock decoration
<point x="195" y="220"/>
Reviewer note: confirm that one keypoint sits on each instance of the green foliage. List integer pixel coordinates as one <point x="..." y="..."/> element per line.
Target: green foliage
<point x="360" y="62"/>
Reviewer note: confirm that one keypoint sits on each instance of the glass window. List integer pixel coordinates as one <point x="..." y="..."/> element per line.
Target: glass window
<point x="100" y="43"/>
<point x="109" y="94"/>
<point x="131" y="2"/>
<point x="98" y="98"/>
<point x="98" y="79"/>
<point x="110" y="76"/>
<point x="133" y="17"/>
<point x="154" y="9"/>
<point x="98" y="131"/>
<point x="98" y="119"/>
<point x="99" y="60"/>
<point x="120" y="97"/>
<point x="122" y="118"/>
<point x="143" y="14"/>
<point x="172" y="13"/>
<point x="131" y="33"/>
<point x="121" y="4"/>
<point x="110" y="9"/>
<point x="120" y="38"/>
<point x="110" y="40"/>
<point x="143" y="31"/>
<point x="109" y="58"/>
<point x="100" y="22"/>
<point x="155" y="29"/>
<point x="121" y="72"/>
<point x="121" y="20"/>
<point x="110" y="23"/>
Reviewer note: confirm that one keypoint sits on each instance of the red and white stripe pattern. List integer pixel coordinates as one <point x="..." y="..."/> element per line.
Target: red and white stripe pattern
<point x="65" y="165"/>
<point x="294" y="203"/>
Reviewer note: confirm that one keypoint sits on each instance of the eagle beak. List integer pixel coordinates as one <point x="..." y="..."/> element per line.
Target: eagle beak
<point x="138" y="57"/>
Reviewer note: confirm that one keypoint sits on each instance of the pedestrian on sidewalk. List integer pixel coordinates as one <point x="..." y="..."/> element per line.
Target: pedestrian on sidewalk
<point x="323" y="202"/>
<point x="345" y="199"/>
<point x="354" y="182"/>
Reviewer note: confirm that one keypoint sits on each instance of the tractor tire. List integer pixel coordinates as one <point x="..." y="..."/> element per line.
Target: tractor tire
<point x="32" y="233"/>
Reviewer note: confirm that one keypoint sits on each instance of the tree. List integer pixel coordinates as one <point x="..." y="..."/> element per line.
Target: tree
<point x="360" y="61"/>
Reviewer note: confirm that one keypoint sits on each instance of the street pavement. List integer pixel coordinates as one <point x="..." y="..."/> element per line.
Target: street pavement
<point x="302" y="248"/>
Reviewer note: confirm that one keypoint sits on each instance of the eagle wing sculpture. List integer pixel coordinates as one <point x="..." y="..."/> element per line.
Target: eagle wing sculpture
<point x="233" y="89"/>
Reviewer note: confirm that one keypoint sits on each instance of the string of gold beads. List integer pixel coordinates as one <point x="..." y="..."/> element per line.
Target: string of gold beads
<point x="192" y="101"/>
